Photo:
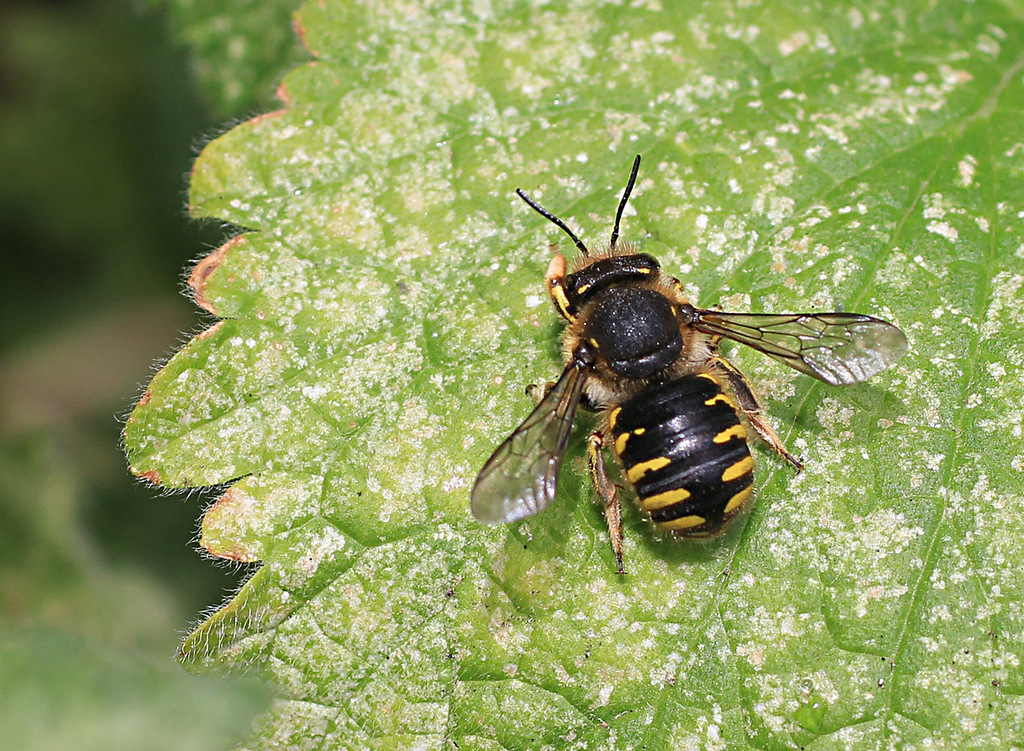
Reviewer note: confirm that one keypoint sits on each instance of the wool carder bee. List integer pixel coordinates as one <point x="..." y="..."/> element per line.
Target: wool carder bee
<point x="670" y="406"/>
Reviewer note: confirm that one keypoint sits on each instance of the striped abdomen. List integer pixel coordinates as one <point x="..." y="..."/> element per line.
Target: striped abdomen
<point x="685" y="451"/>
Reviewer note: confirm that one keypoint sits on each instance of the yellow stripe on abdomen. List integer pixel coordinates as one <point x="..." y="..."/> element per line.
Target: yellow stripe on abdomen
<point x="736" y="431"/>
<point x="740" y="468"/>
<point x="683" y="522"/>
<point x="637" y="471"/>
<point x="737" y="501"/>
<point x="663" y="500"/>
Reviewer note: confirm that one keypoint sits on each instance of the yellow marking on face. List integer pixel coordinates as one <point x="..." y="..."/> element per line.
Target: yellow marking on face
<point x="738" y="469"/>
<point x="668" y="498"/>
<point x="738" y="500"/>
<point x="683" y="522"/>
<point x="561" y="301"/>
<point x="736" y="431"/>
<point x="653" y="465"/>
<point x="582" y="289"/>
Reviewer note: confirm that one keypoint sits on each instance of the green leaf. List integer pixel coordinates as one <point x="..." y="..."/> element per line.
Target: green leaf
<point x="385" y="309"/>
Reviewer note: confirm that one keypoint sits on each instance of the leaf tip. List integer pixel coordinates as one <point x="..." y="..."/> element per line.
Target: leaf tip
<point x="300" y="32"/>
<point x="152" y="476"/>
<point x="202" y="271"/>
<point x="219" y="536"/>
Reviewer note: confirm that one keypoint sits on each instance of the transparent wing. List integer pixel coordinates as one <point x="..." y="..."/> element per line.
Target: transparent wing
<point x="838" y="348"/>
<point x="521" y="477"/>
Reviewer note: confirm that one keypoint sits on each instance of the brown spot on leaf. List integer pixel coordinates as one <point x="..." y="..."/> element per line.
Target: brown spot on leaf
<point x="300" y="32"/>
<point x="151" y="477"/>
<point x="207" y="333"/>
<point x="282" y="94"/>
<point x="259" y="119"/>
<point x="203" y="270"/>
<point x="221" y="522"/>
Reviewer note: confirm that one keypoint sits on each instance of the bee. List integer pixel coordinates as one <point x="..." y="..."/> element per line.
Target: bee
<point x="670" y="406"/>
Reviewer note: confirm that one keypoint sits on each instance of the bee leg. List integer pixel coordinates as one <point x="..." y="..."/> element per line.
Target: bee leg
<point x="751" y="408"/>
<point x="609" y="495"/>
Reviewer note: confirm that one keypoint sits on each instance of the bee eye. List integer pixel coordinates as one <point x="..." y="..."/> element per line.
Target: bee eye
<point x="636" y="331"/>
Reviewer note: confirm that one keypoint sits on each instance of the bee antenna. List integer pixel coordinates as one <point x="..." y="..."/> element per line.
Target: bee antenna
<point x="625" y="197"/>
<point x="554" y="219"/>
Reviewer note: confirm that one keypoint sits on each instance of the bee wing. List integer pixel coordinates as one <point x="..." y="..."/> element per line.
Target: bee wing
<point x="521" y="477"/>
<point x="837" y="348"/>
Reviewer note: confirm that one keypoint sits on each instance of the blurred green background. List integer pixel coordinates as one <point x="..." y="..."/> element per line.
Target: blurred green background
<point x="101" y="115"/>
<point x="104" y="105"/>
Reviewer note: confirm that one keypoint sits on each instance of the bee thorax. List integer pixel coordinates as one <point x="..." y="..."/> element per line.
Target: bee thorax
<point x="635" y="330"/>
